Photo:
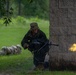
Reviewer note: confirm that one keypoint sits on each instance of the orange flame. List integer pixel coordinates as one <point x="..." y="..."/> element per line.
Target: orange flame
<point x="73" y="48"/>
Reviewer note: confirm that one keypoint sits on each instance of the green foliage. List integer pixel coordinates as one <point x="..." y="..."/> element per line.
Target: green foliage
<point x="21" y="20"/>
<point x="28" y="8"/>
<point x="38" y="8"/>
<point x="2" y="8"/>
<point x="34" y="8"/>
<point x="6" y="11"/>
<point x="7" y="21"/>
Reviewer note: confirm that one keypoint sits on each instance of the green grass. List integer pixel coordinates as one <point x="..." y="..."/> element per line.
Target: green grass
<point x="12" y="35"/>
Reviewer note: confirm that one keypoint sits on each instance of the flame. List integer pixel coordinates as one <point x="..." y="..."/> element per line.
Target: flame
<point x="73" y="48"/>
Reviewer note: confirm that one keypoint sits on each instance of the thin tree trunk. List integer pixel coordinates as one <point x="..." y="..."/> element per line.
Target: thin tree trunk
<point x="7" y="7"/>
<point x="19" y="10"/>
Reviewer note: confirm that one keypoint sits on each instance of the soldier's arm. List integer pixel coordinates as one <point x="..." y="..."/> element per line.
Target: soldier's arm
<point x="42" y="37"/>
<point x="24" y="41"/>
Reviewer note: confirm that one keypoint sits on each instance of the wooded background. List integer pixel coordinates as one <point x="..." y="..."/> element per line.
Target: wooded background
<point x="26" y="8"/>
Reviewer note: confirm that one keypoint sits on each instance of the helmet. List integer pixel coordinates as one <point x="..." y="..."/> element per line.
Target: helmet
<point x="34" y="26"/>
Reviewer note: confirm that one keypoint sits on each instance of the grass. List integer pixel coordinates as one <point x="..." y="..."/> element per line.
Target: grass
<point x="12" y="35"/>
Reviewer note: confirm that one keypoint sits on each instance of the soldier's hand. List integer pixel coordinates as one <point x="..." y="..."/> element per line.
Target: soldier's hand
<point x="32" y="52"/>
<point x="25" y="45"/>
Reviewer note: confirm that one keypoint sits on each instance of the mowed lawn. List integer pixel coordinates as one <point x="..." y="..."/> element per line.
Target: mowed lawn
<point x="12" y="35"/>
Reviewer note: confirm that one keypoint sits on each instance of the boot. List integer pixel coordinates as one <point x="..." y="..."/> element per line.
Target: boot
<point x="40" y="67"/>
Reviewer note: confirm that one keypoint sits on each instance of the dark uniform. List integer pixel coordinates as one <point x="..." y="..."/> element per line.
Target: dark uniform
<point x="37" y="45"/>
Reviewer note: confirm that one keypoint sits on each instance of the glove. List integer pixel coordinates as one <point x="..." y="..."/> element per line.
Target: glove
<point x="25" y="46"/>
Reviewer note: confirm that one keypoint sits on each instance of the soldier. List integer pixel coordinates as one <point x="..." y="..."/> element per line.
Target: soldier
<point x="35" y="40"/>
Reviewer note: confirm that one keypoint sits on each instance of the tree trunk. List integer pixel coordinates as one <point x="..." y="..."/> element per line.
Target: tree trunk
<point x="7" y="7"/>
<point x="19" y="9"/>
<point x="62" y="32"/>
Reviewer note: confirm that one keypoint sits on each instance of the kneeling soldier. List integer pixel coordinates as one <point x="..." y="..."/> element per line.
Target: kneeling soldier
<point x="35" y="40"/>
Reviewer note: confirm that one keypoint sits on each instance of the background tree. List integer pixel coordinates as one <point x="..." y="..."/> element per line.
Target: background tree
<point x="19" y="10"/>
<point x="2" y="7"/>
<point x="28" y="8"/>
